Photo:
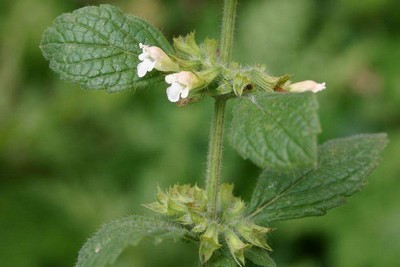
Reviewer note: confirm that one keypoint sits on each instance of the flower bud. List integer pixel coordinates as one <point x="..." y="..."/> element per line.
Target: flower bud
<point x="305" y="86"/>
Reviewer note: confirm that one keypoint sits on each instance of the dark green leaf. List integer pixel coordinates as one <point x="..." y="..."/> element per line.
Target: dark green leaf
<point x="108" y="243"/>
<point x="259" y="257"/>
<point x="342" y="168"/>
<point x="98" y="47"/>
<point x="276" y="130"/>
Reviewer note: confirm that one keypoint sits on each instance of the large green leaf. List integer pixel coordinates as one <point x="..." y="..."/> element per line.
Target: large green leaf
<point x="108" y="243"/>
<point x="98" y="47"/>
<point x="276" y="130"/>
<point x="342" y="168"/>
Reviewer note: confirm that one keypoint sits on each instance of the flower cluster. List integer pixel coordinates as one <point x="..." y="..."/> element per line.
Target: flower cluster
<point x="188" y="206"/>
<point x="181" y="82"/>
<point x="193" y="67"/>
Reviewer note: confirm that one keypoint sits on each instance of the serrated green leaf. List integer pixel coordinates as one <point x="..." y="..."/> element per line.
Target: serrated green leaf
<point x="259" y="257"/>
<point x="276" y="130"/>
<point x="108" y="243"/>
<point x="342" y="168"/>
<point x="98" y="47"/>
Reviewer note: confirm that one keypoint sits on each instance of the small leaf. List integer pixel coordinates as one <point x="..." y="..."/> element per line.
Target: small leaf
<point x="108" y="243"/>
<point x="259" y="257"/>
<point x="276" y="130"/>
<point x="343" y="166"/>
<point x="98" y="47"/>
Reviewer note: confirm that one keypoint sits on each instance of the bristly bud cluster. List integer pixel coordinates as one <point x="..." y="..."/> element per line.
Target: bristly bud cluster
<point x="194" y="67"/>
<point x="188" y="206"/>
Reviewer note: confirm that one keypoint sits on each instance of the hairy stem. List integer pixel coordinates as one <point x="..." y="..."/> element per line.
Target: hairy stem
<point x="228" y="30"/>
<point x="215" y="156"/>
<point x="217" y="128"/>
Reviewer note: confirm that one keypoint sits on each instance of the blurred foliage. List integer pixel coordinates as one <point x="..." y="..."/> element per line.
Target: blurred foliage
<point x="71" y="160"/>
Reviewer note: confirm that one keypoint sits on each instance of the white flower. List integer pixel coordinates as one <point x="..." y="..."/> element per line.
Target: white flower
<point x="181" y="83"/>
<point x="306" y="86"/>
<point x="153" y="57"/>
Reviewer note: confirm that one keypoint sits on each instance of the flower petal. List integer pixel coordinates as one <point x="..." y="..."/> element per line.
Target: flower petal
<point x="174" y="92"/>
<point x="171" y="78"/>
<point x="143" y="56"/>
<point x="150" y="64"/>
<point x="319" y="87"/>
<point x="144" y="67"/>
<point x="141" y="69"/>
<point x="185" y="93"/>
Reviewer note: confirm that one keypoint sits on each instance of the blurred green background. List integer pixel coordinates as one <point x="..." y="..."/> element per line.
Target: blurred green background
<point x="71" y="160"/>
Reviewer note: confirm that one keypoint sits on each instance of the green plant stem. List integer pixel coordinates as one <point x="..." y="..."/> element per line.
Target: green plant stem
<point x="215" y="156"/>
<point x="228" y="30"/>
<point x="217" y="128"/>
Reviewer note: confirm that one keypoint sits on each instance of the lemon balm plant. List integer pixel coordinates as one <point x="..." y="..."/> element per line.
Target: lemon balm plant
<point x="275" y="125"/>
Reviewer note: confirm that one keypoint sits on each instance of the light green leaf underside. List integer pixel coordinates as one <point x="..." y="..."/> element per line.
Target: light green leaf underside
<point x="259" y="257"/>
<point x="98" y="47"/>
<point x="342" y="168"/>
<point x="108" y="243"/>
<point x="276" y="130"/>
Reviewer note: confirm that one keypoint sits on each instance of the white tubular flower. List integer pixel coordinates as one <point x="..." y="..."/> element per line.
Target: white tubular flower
<point x="153" y="57"/>
<point x="305" y="86"/>
<point x="181" y="83"/>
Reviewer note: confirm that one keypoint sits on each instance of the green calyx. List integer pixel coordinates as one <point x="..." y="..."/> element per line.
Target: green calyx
<point x="188" y="206"/>
<point x="231" y="79"/>
<point x="209" y="242"/>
